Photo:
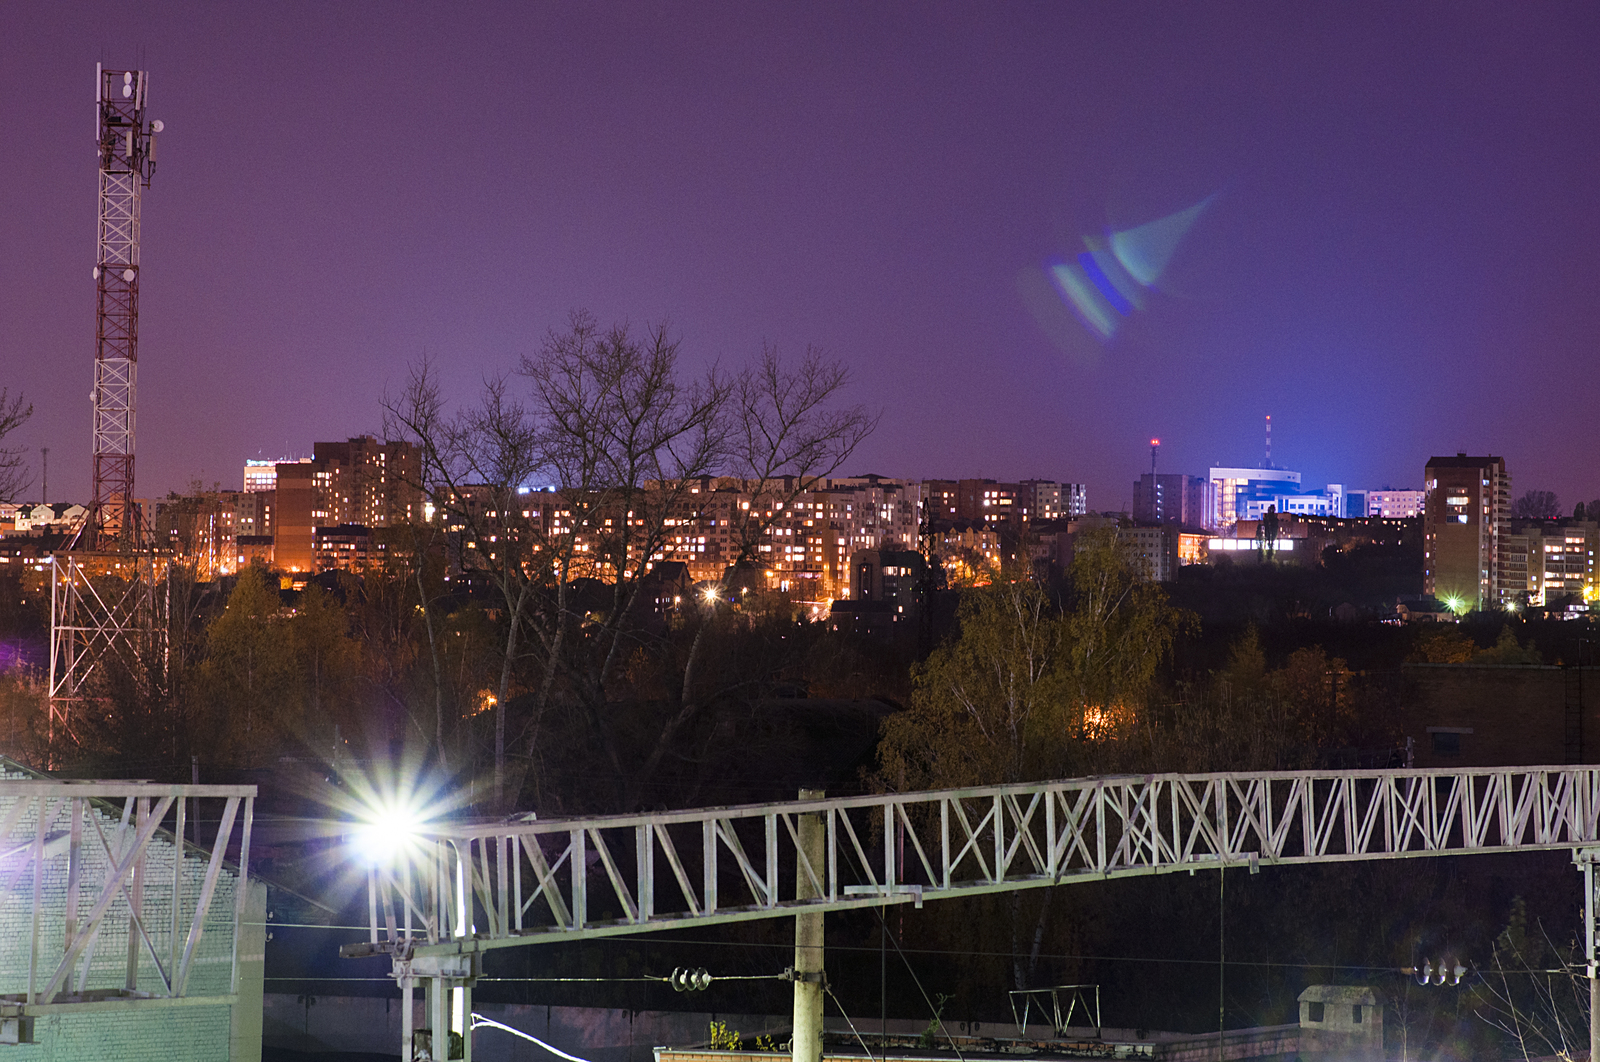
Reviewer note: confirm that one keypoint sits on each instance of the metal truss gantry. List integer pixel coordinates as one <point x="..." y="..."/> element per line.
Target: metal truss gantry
<point x="126" y="145"/>
<point x="113" y="905"/>
<point x="477" y="888"/>
<point x="458" y="892"/>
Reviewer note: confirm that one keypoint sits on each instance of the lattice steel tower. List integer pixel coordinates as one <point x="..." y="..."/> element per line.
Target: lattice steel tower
<point x="127" y="146"/>
<point x="106" y="612"/>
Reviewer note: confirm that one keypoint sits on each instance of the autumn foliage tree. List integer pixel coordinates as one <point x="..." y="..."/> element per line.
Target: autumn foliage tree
<point x="273" y="677"/>
<point x="1029" y="690"/>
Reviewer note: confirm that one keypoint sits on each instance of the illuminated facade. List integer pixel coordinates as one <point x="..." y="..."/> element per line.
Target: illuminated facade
<point x="793" y="543"/>
<point x="295" y="518"/>
<point x="1055" y="501"/>
<point x="1467" y="508"/>
<point x="1233" y="490"/>
<point x="201" y="530"/>
<point x="365" y="481"/>
<point x="1009" y="504"/>
<point x="261" y="475"/>
<point x="1157" y="545"/>
<point x="1395" y="503"/>
<point x="360" y="481"/>
<point x="344" y="546"/>
<point x="1544" y="562"/>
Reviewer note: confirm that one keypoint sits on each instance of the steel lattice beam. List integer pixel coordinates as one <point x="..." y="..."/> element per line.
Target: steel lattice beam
<point x="101" y="868"/>
<point x="482" y="887"/>
<point x="104" y="607"/>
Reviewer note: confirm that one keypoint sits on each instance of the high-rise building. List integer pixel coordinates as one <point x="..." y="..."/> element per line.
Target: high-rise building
<point x="1171" y="498"/>
<point x="253" y="510"/>
<point x="1011" y="504"/>
<point x="359" y="481"/>
<point x="295" y="517"/>
<point x="1464" y="516"/>
<point x="940" y="497"/>
<point x="1157" y="546"/>
<point x="1544" y="562"/>
<point x="364" y="481"/>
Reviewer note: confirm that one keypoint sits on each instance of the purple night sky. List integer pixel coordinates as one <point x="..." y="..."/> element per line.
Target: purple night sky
<point x="1402" y="260"/>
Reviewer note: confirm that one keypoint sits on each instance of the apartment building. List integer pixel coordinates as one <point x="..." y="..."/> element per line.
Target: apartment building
<point x="1465" y="513"/>
<point x="360" y="481"/>
<point x="1548" y="562"/>
<point x="1396" y="504"/>
<point x="1172" y="498"/>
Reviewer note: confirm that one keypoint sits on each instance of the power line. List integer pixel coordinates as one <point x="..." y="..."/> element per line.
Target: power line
<point x="937" y="1016"/>
<point x="661" y="939"/>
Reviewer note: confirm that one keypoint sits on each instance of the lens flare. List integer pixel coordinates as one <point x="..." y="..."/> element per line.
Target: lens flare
<point x="1111" y="279"/>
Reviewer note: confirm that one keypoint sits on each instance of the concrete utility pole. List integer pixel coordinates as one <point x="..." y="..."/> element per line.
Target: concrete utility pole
<point x="806" y="1044"/>
<point x="1586" y="858"/>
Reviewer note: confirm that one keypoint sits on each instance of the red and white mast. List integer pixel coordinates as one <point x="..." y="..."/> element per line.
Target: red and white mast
<point x="126" y="142"/>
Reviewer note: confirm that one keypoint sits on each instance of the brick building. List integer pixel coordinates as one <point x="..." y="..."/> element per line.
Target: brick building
<point x="1500" y="715"/>
<point x="1464" y="520"/>
<point x="360" y="481"/>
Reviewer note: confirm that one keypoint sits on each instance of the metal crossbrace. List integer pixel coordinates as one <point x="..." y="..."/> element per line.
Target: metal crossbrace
<point x="473" y="888"/>
<point x="78" y="859"/>
<point x="91" y="617"/>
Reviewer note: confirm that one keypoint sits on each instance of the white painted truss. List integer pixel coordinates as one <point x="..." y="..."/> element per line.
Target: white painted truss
<point x="469" y="889"/>
<point x="115" y="391"/>
<point x="104" y="608"/>
<point x="120" y="187"/>
<point x="104" y="905"/>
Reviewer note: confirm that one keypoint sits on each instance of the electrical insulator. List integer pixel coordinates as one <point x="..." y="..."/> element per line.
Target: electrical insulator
<point x="683" y="980"/>
<point x="1445" y="973"/>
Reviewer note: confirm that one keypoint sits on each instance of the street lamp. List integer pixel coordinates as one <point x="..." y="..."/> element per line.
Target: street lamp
<point x="387" y="831"/>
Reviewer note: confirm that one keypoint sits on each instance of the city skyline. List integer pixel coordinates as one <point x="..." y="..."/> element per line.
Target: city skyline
<point x="1396" y="225"/>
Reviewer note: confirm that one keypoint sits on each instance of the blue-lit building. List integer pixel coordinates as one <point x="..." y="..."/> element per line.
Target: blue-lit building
<point x="1248" y="493"/>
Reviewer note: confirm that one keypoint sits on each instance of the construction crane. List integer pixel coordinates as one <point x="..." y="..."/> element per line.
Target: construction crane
<point x="127" y="153"/>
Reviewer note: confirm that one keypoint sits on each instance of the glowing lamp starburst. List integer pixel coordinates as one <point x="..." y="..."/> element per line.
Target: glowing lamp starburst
<point x="387" y="833"/>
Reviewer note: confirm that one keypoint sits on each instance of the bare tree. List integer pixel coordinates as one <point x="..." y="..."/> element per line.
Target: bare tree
<point x="787" y="435"/>
<point x="624" y="438"/>
<point x="576" y="483"/>
<point x="572" y="487"/>
<point x="1536" y="505"/>
<point x="1541" y="1007"/>
<point x="14" y="478"/>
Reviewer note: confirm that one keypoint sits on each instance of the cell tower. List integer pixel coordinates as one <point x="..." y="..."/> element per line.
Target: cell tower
<point x="104" y="604"/>
<point x="127" y="144"/>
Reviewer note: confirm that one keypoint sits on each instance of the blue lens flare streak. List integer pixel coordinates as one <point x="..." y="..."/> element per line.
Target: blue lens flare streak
<point x="1108" y="281"/>
<point x="1103" y="282"/>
